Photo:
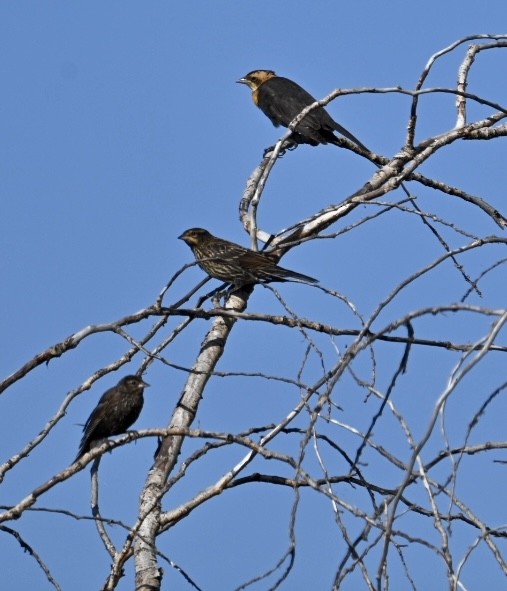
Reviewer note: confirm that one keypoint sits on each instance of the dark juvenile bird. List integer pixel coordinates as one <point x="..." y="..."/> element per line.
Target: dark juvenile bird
<point x="236" y="264"/>
<point x="281" y="100"/>
<point x="117" y="409"/>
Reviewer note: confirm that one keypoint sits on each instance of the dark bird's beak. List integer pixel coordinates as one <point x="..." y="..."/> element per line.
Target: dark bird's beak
<point x="145" y="384"/>
<point x="242" y="81"/>
<point x="182" y="236"/>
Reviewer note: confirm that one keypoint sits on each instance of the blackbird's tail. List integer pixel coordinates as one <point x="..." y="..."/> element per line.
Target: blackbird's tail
<point x="346" y="133"/>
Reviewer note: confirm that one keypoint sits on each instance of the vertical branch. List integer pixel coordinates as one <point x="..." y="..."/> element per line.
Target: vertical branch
<point x="106" y="540"/>
<point x="148" y="574"/>
<point x="454" y="380"/>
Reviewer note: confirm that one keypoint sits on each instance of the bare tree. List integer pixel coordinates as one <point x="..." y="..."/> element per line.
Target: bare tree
<point x="385" y="430"/>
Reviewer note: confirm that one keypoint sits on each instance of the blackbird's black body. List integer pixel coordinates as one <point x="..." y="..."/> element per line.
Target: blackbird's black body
<point x="282" y="100"/>
<point x="236" y="264"/>
<point x="118" y="408"/>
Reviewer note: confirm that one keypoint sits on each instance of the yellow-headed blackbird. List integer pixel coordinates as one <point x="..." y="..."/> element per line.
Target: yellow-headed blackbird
<point x="235" y="264"/>
<point x="117" y="409"/>
<point x="282" y="100"/>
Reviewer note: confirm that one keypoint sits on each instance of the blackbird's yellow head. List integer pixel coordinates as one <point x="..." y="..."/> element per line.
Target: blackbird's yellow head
<point x="256" y="77"/>
<point x="194" y="236"/>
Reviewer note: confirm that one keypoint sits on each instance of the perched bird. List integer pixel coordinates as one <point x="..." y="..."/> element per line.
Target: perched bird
<point x="281" y="99"/>
<point x="235" y="264"/>
<point x="117" y="409"/>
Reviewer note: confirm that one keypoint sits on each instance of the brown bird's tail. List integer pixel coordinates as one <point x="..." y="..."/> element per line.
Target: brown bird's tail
<point x="281" y="274"/>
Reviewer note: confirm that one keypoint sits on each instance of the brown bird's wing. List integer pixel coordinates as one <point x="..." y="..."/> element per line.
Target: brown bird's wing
<point x="226" y="260"/>
<point x="215" y="256"/>
<point x="236" y="264"/>
<point x="265" y="270"/>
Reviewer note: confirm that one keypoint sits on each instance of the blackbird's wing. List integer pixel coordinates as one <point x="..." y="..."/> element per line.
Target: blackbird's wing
<point x="94" y="426"/>
<point x="281" y="100"/>
<point x="116" y="410"/>
<point x="109" y="417"/>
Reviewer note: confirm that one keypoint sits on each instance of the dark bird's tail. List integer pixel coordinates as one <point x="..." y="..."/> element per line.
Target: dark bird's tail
<point x="346" y="133"/>
<point x="83" y="448"/>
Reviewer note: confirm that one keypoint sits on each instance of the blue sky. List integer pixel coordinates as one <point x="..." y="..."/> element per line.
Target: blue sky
<point x="122" y="126"/>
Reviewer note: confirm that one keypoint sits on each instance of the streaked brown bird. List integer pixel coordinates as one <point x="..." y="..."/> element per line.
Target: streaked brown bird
<point x="281" y="99"/>
<point x="236" y="264"/>
<point x="117" y="409"/>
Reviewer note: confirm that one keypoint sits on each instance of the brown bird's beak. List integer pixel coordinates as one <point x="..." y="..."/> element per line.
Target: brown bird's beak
<point x="242" y="81"/>
<point x="184" y="237"/>
<point x="189" y="238"/>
